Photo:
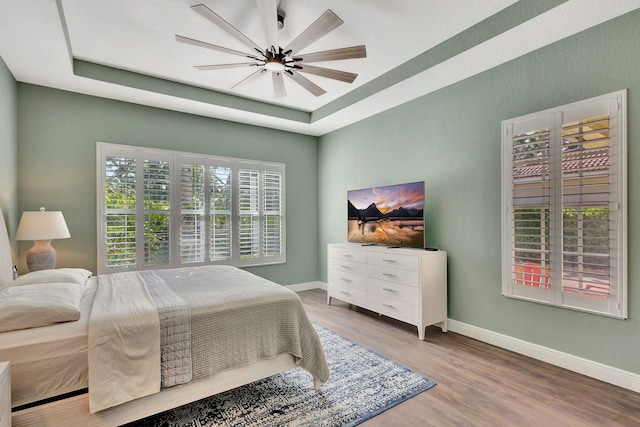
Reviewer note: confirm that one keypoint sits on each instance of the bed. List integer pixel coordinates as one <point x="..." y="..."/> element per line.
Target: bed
<point x="143" y="357"/>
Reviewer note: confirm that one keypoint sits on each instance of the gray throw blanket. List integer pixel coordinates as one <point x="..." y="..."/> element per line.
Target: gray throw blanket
<point x="215" y="318"/>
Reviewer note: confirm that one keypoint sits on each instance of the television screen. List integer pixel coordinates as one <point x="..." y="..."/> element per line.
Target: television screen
<point x="388" y="215"/>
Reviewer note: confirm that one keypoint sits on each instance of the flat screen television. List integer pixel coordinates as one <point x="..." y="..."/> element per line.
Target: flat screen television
<point x="391" y="215"/>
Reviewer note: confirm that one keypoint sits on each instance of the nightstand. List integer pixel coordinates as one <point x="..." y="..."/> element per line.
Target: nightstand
<point x="5" y="395"/>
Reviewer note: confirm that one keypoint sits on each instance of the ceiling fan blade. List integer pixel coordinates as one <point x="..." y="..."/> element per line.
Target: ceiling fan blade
<point x="278" y="85"/>
<point x="194" y="42"/>
<point x="343" y="76"/>
<point x="223" y="66"/>
<point x="268" y="10"/>
<point x="334" y="55"/>
<point x="306" y="83"/>
<point x="224" y="25"/>
<point x="251" y="77"/>
<point x="327" y="22"/>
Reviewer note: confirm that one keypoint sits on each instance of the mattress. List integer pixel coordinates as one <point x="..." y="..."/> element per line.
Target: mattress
<point x="50" y="360"/>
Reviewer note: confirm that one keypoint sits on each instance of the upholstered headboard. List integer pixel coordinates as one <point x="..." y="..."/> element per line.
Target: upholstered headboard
<point x="6" y="266"/>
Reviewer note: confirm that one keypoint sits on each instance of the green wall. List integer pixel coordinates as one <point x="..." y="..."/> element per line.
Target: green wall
<point x="57" y="133"/>
<point x="8" y="148"/>
<point x="451" y="140"/>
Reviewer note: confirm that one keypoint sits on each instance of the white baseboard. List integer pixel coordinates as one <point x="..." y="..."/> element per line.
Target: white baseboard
<point x="599" y="371"/>
<point x="308" y="285"/>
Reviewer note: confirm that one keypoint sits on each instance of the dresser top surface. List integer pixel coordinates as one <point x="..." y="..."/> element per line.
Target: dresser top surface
<point x="385" y="249"/>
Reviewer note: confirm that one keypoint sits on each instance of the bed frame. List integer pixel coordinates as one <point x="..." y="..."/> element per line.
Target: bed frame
<point x="74" y="411"/>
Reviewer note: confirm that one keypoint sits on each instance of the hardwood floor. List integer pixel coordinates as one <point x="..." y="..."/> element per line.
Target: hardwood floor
<point x="478" y="384"/>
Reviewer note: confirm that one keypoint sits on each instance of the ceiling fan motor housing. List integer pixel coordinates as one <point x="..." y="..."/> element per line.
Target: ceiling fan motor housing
<point x="281" y="16"/>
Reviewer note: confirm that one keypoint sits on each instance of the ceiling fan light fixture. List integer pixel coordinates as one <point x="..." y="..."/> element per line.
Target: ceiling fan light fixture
<point x="274" y="65"/>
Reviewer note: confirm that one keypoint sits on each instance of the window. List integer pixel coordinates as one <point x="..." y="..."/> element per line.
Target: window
<point x="564" y="206"/>
<point x="194" y="210"/>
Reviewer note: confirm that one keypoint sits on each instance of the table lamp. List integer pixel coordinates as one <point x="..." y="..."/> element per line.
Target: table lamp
<point x="42" y="226"/>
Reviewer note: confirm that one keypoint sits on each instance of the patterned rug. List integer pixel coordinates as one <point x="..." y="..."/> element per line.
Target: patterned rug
<point x="362" y="385"/>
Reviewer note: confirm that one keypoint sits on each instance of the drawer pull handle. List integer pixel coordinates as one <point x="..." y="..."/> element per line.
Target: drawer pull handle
<point x="389" y="260"/>
<point x="345" y="279"/>
<point x="346" y="255"/>
<point x="388" y="305"/>
<point x="345" y="293"/>
<point x="345" y="266"/>
<point x="389" y="290"/>
<point x="389" y="274"/>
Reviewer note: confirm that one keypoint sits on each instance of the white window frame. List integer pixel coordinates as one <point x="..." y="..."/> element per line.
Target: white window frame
<point x="177" y="159"/>
<point x="615" y="304"/>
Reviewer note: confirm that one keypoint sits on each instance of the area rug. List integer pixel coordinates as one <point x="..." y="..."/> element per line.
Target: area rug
<point x="362" y="385"/>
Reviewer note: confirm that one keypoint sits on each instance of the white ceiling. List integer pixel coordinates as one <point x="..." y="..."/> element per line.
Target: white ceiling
<point x="38" y="40"/>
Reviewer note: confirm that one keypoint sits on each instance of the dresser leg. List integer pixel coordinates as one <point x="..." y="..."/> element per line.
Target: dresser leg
<point x="421" y="332"/>
<point x="328" y="300"/>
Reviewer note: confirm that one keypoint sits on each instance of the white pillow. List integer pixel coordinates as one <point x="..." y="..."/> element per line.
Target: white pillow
<point x="57" y="275"/>
<point x="30" y="306"/>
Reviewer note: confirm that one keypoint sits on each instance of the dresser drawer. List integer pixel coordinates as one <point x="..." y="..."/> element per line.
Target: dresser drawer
<point x="346" y="265"/>
<point x="350" y="280"/>
<point x="393" y="307"/>
<point x="348" y="294"/>
<point x="389" y="259"/>
<point x="347" y="254"/>
<point x="389" y="274"/>
<point x="394" y="290"/>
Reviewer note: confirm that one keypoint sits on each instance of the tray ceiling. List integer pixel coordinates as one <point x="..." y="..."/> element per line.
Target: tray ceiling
<point x="126" y="50"/>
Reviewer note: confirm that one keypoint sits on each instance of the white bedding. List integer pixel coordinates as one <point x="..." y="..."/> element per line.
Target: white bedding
<point x="50" y="360"/>
<point x="33" y="306"/>
<point x="124" y="342"/>
<point x="237" y="319"/>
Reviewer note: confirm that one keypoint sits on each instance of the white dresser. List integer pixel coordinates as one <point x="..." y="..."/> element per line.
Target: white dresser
<point x="402" y="283"/>
<point x="5" y="395"/>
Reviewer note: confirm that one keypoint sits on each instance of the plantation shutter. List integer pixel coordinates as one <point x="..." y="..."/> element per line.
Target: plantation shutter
<point x="220" y="220"/>
<point x="249" y="213"/>
<point x="586" y="197"/>
<point x="564" y="224"/>
<point x="120" y="212"/>
<point x="531" y="193"/>
<point x="192" y="213"/>
<point x="272" y="213"/>
<point x="593" y="197"/>
<point x="160" y="208"/>
<point x="157" y="213"/>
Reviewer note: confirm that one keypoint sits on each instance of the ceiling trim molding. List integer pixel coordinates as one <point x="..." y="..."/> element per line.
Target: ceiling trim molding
<point x="505" y="20"/>
<point x="158" y="85"/>
<point x="65" y="29"/>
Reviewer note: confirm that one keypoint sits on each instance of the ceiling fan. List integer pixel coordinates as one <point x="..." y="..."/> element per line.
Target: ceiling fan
<point x="276" y="59"/>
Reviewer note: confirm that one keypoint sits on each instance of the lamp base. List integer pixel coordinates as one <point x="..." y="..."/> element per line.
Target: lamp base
<point x="41" y="256"/>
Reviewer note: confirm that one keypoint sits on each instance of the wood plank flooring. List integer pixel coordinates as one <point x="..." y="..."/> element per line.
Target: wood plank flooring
<point x="478" y="384"/>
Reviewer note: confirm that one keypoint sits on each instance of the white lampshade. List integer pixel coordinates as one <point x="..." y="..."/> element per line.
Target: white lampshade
<point x="42" y="225"/>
